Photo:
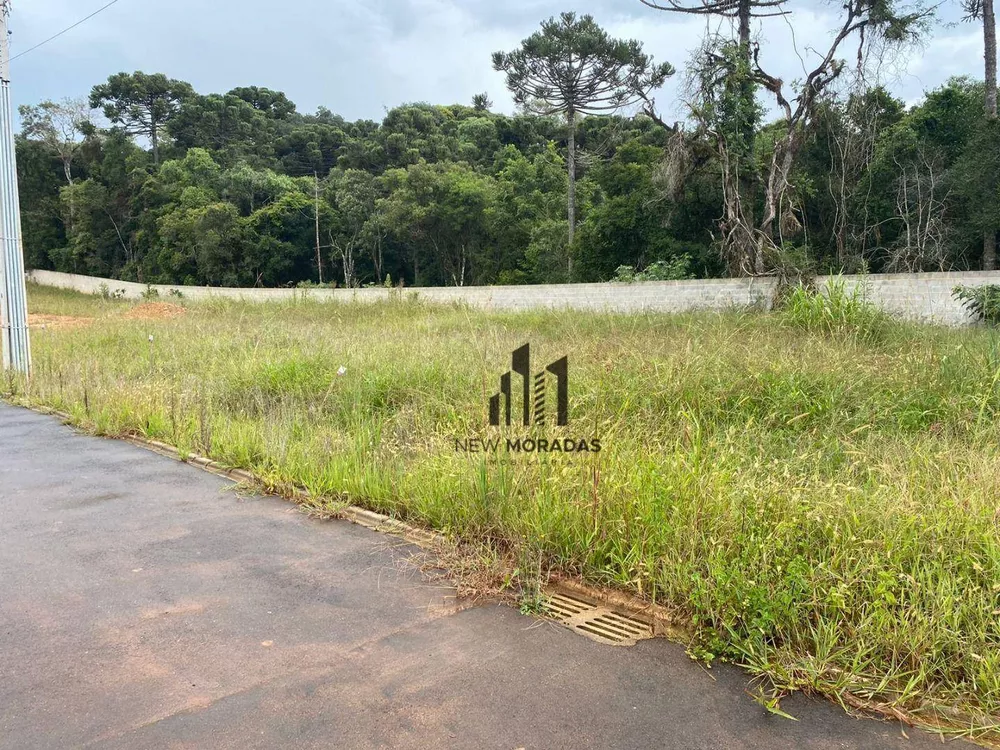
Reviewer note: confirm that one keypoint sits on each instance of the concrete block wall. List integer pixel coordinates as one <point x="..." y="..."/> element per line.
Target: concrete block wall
<point x="925" y="297"/>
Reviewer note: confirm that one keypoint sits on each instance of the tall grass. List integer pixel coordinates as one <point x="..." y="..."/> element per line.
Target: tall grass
<point x="815" y="490"/>
<point x="835" y="309"/>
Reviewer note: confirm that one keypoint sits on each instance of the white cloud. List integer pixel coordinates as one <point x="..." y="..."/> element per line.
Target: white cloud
<point x="446" y="58"/>
<point x="359" y="57"/>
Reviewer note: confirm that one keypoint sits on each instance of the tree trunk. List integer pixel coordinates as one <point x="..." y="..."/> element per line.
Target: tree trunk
<point x="777" y="185"/>
<point x="747" y="176"/>
<point x="68" y="171"/>
<point x="348" y="258"/>
<point x="990" y="40"/>
<point x="990" y="47"/>
<point x="154" y="138"/>
<point x="319" y="255"/>
<point x="571" y="170"/>
<point x="743" y="13"/>
<point x="377" y="257"/>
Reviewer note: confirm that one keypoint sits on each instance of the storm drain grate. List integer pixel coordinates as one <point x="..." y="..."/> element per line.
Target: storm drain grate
<point x="596" y="622"/>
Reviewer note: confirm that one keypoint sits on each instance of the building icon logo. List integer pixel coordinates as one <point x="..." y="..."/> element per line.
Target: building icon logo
<point x="533" y="391"/>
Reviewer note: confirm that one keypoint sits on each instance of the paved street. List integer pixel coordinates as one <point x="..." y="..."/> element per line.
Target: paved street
<point x="143" y="604"/>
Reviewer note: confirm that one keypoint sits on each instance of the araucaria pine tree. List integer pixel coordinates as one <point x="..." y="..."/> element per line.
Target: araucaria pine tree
<point x="572" y="67"/>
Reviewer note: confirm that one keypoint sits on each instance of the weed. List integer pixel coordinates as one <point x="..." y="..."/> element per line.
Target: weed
<point x="107" y="294"/>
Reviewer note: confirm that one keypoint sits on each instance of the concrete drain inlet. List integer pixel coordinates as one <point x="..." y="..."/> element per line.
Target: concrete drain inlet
<point x="595" y="622"/>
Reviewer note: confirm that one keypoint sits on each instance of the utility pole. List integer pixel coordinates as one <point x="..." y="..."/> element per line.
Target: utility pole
<point x="319" y="255"/>
<point x="13" y="296"/>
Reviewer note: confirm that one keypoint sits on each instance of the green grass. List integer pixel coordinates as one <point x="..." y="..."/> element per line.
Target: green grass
<point x="52" y="301"/>
<point x="815" y="491"/>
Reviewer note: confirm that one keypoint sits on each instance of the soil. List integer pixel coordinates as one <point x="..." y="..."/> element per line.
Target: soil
<point x="57" y="321"/>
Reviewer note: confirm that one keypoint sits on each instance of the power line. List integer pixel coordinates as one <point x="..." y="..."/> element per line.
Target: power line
<point x="68" y="28"/>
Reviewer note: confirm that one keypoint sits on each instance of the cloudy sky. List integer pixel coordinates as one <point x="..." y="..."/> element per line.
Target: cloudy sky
<point x="360" y="57"/>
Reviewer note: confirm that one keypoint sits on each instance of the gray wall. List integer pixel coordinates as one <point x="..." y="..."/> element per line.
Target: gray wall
<point x="923" y="296"/>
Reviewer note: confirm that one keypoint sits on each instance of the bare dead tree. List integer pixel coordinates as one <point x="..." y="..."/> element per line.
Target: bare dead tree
<point x="720" y="98"/>
<point x="724" y="64"/>
<point x="921" y="205"/>
<point x="345" y="244"/>
<point x="60" y="126"/>
<point x="851" y="137"/>
<point x="747" y="244"/>
<point x="861" y="17"/>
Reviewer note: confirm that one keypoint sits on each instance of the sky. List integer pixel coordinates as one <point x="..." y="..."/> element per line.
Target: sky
<point x="361" y="57"/>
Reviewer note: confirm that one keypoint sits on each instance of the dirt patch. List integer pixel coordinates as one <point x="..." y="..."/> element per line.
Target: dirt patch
<point x="155" y="311"/>
<point x="57" y="321"/>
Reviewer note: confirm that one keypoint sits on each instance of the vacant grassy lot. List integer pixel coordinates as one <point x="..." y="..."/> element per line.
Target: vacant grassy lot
<point x="817" y="494"/>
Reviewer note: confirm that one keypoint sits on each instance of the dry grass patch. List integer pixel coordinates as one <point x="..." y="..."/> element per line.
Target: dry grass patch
<point x="155" y="311"/>
<point x="57" y="321"/>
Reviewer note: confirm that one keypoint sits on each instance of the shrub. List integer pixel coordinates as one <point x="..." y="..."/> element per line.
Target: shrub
<point x="675" y="269"/>
<point x="982" y="301"/>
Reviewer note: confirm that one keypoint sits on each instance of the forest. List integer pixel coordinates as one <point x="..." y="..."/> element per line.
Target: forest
<point x="146" y="179"/>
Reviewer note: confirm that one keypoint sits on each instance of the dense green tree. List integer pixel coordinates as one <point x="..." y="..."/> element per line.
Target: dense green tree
<point x="976" y="180"/>
<point x="281" y="248"/>
<point x="227" y="125"/>
<point x="529" y="216"/>
<point x="102" y="239"/>
<point x="274" y="104"/>
<point x="40" y="176"/>
<point x="440" y="211"/>
<point x="250" y="189"/>
<point x="629" y="226"/>
<point x="310" y="148"/>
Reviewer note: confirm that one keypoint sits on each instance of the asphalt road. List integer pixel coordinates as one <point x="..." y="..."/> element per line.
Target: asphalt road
<point x="142" y="605"/>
